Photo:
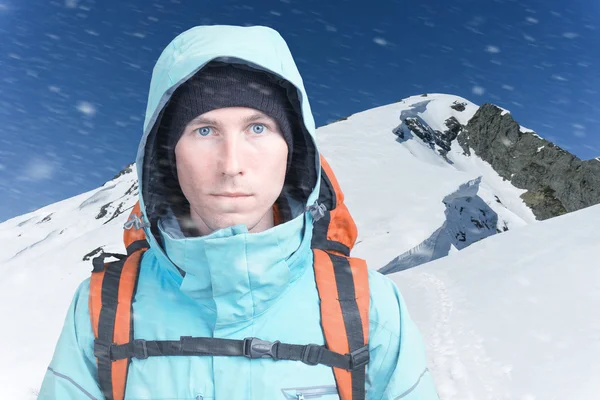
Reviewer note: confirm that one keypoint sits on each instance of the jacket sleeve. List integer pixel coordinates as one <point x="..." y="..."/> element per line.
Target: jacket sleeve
<point x="72" y="372"/>
<point x="398" y="366"/>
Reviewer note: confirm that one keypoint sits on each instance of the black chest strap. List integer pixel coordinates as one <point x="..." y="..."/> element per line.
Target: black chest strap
<point x="311" y="354"/>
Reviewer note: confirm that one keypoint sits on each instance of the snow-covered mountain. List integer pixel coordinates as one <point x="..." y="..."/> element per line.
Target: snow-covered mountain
<point x="515" y="316"/>
<point x="415" y="194"/>
<point x="415" y="188"/>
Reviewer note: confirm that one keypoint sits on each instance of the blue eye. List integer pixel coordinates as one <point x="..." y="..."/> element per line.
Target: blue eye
<point x="261" y="126"/>
<point x="203" y="131"/>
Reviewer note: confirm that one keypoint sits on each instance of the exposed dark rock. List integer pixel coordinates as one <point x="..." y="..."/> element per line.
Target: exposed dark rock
<point x="458" y="106"/>
<point x="46" y="218"/>
<point x="103" y="211"/>
<point x="557" y="182"/>
<point x="545" y="202"/>
<point x="132" y="188"/>
<point x="454" y="129"/>
<point x="126" y="170"/>
<point x="427" y="134"/>
<point x="117" y="212"/>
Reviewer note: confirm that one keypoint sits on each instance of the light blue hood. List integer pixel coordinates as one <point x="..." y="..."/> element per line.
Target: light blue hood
<point x="234" y="272"/>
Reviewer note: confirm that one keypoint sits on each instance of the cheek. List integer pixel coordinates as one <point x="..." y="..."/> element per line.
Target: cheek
<point x="273" y="162"/>
<point x="192" y="165"/>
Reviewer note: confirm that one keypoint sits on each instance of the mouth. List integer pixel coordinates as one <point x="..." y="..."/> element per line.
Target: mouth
<point x="232" y="195"/>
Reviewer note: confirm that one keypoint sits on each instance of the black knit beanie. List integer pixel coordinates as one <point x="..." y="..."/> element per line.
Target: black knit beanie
<point x="220" y="85"/>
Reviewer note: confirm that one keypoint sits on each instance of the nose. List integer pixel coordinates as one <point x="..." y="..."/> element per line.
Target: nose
<point x="230" y="156"/>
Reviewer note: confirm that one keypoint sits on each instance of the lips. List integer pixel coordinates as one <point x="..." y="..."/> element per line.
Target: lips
<point x="232" y="195"/>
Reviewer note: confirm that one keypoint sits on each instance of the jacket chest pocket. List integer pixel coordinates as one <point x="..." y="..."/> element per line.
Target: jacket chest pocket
<point x="313" y="392"/>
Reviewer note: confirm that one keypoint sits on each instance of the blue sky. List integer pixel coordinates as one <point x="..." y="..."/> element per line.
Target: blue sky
<point x="75" y="73"/>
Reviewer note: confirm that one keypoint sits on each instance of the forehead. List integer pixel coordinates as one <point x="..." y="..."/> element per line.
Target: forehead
<point x="236" y="114"/>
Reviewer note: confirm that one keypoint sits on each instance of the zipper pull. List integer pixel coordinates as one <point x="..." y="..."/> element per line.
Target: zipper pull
<point x="317" y="210"/>
<point x="136" y="222"/>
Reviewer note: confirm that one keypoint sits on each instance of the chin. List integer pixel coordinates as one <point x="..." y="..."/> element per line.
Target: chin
<point x="231" y="221"/>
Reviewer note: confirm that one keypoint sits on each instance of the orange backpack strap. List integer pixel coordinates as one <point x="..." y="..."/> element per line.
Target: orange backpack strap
<point x="112" y="289"/>
<point x="343" y="286"/>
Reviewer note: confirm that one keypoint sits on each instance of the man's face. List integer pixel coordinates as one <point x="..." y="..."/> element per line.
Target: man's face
<point x="231" y="150"/>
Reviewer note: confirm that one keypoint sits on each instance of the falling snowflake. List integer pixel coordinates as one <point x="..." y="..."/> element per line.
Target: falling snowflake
<point x="380" y="41"/>
<point x="38" y="169"/>
<point x="478" y="90"/>
<point x="86" y="108"/>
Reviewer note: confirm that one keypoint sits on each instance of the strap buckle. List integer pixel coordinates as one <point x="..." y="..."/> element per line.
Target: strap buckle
<point x="312" y="354"/>
<point x="140" y="351"/>
<point x="257" y="348"/>
<point x="359" y="358"/>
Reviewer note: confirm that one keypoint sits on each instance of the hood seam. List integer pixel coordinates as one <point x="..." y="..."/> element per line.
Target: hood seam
<point x="248" y="275"/>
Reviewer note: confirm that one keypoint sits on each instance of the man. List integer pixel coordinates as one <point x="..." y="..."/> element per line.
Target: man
<point x="228" y="168"/>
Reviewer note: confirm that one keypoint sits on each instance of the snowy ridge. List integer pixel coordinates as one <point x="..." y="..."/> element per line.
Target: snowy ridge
<point x="396" y="181"/>
<point x="511" y="314"/>
<point x="72" y="219"/>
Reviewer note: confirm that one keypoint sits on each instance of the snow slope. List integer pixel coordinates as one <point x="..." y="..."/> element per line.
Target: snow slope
<point x="411" y="206"/>
<point x="42" y="261"/>
<point x="514" y="316"/>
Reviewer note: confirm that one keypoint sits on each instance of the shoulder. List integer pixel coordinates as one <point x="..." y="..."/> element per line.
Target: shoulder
<point x="386" y="304"/>
<point x="79" y="310"/>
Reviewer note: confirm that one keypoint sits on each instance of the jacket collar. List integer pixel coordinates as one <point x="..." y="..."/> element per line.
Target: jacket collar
<point x="238" y="274"/>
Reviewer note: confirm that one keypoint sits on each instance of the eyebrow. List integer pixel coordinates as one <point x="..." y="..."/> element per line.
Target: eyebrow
<point x="250" y="118"/>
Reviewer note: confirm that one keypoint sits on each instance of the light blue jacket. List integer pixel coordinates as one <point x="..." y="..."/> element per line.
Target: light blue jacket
<point x="236" y="284"/>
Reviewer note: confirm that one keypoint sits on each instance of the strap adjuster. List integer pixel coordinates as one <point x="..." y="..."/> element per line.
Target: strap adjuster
<point x="140" y="351"/>
<point x="312" y="354"/>
<point x="102" y="349"/>
<point x="359" y="358"/>
<point x="257" y="348"/>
